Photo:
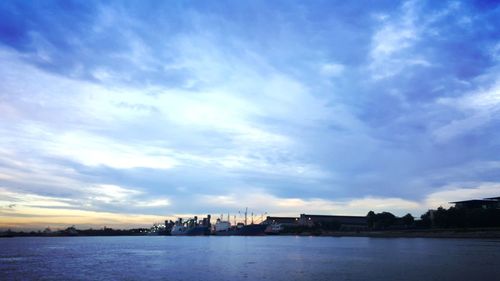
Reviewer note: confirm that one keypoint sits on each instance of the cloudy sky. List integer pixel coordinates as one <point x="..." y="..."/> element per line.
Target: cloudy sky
<point x="129" y="112"/>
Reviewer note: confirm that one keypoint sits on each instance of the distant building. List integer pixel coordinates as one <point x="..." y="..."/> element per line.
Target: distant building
<point x="281" y="220"/>
<point x="344" y="221"/>
<point x="487" y="203"/>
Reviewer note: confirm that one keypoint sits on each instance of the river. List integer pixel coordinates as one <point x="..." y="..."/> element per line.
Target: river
<point x="248" y="258"/>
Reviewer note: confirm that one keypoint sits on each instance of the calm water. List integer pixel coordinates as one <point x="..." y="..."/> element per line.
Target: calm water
<point x="247" y="258"/>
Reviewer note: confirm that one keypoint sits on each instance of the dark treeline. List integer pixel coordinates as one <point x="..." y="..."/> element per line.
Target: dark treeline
<point x="72" y="231"/>
<point x="386" y="220"/>
<point x="440" y="218"/>
<point x="461" y="217"/>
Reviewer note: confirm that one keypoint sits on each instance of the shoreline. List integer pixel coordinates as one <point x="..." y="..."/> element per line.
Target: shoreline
<point x="445" y="234"/>
<point x="434" y="233"/>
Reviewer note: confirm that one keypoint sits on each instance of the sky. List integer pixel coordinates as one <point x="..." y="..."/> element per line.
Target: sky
<point x="125" y="113"/>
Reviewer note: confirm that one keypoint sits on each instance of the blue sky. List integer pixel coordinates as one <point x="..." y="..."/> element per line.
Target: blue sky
<point x="127" y="112"/>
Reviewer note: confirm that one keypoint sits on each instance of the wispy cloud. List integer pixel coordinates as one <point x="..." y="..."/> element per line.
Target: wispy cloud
<point x="289" y="206"/>
<point x="477" y="109"/>
<point x="463" y="191"/>
<point x="389" y="43"/>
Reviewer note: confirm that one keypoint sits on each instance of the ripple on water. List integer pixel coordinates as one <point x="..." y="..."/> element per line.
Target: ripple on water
<point x="13" y="259"/>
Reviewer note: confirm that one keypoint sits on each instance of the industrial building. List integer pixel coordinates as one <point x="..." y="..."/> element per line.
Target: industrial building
<point x="281" y="220"/>
<point x="343" y="221"/>
<point x="486" y="203"/>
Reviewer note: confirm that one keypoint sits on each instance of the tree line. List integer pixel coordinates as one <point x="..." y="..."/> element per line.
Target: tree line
<point x="452" y="217"/>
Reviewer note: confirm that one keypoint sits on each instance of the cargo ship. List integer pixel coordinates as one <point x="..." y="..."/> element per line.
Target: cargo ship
<point x="224" y="228"/>
<point x="244" y="230"/>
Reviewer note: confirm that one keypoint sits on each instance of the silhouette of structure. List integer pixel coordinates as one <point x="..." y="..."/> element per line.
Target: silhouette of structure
<point x="320" y="220"/>
<point x="487" y="203"/>
<point x="281" y="220"/>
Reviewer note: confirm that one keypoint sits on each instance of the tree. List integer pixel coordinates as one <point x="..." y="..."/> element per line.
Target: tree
<point x="370" y="218"/>
<point x="380" y="220"/>
<point x="407" y="219"/>
<point x="385" y="219"/>
<point x="426" y="219"/>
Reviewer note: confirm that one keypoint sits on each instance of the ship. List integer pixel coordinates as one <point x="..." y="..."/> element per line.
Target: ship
<point x="191" y="227"/>
<point x="224" y="228"/>
<point x="274" y="229"/>
<point x="242" y="230"/>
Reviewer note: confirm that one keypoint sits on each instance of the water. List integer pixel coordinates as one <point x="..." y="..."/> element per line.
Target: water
<point x="248" y="258"/>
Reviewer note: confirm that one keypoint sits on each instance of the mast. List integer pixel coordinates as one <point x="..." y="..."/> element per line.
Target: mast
<point x="246" y="213"/>
<point x="262" y="216"/>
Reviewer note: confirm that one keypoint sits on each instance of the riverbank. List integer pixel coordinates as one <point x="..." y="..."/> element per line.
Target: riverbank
<point x="475" y="233"/>
<point x="483" y="233"/>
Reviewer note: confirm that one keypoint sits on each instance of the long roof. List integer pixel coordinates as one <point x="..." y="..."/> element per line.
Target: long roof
<point x="487" y="200"/>
<point x="332" y="216"/>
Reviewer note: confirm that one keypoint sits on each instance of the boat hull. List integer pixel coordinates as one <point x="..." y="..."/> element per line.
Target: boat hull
<point x="247" y="230"/>
<point x="194" y="231"/>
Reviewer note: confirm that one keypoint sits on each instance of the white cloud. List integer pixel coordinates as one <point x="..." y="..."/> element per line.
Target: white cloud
<point x="108" y="193"/>
<point x="232" y="109"/>
<point x="391" y="39"/>
<point x="462" y="191"/>
<point x="32" y="200"/>
<point x="478" y="108"/>
<point x="117" y="195"/>
<point x="331" y="69"/>
<point x="495" y="52"/>
<point x="86" y="148"/>
<point x="93" y="150"/>
<point x="392" y="43"/>
<point x="153" y="203"/>
<point x="290" y="206"/>
<point x="88" y="198"/>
